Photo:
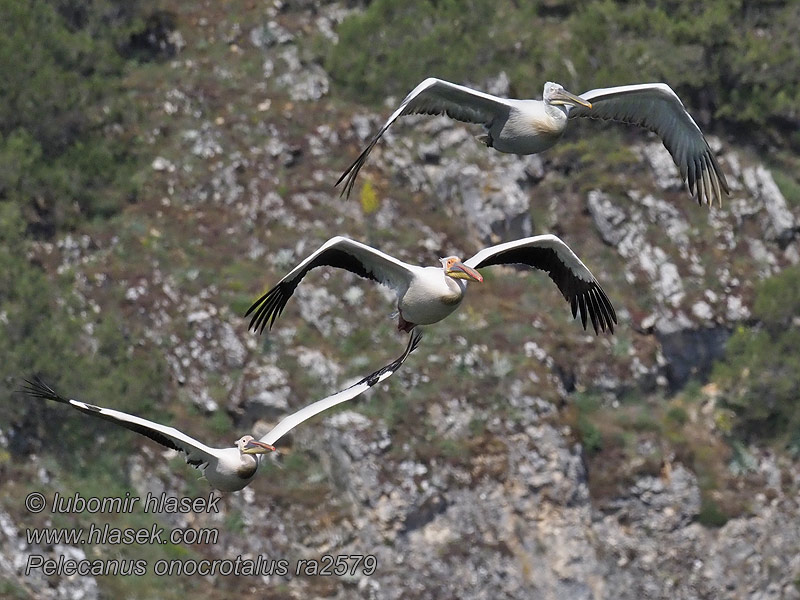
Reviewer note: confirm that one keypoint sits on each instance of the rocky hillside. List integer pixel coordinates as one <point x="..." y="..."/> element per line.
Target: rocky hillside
<point x="515" y="455"/>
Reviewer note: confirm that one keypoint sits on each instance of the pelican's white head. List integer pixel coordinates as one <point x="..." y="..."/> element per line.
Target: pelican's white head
<point x="247" y="444"/>
<point x="556" y="95"/>
<point x="453" y="267"/>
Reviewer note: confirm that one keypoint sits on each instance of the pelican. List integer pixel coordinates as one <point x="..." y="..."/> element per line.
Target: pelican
<point x="226" y="469"/>
<point x="426" y="295"/>
<point x="532" y="126"/>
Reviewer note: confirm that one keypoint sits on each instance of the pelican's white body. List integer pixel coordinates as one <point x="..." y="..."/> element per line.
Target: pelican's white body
<point x="532" y="127"/>
<point x="230" y="470"/>
<point x="431" y="296"/>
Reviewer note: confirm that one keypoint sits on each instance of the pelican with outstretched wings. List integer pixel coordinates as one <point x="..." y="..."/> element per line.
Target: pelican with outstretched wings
<point x="426" y="295"/>
<point x="532" y="126"/>
<point x="226" y="469"/>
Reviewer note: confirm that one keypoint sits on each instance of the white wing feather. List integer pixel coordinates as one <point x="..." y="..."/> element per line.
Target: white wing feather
<point x="293" y="420"/>
<point x="196" y="452"/>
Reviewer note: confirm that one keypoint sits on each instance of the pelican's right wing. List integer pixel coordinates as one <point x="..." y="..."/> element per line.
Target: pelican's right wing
<point x="573" y="278"/>
<point x="340" y="252"/>
<point x="435" y="97"/>
<point x="197" y="454"/>
<point x="658" y="108"/>
<point x="293" y="420"/>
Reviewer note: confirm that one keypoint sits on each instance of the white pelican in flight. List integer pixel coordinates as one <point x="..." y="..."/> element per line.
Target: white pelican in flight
<point x="427" y="295"/>
<point x="531" y="126"/>
<point x="226" y="469"/>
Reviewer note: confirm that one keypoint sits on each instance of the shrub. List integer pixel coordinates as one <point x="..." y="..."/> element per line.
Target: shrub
<point x="42" y="333"/>
<point x="760" y="375"/>
<point x="59" y="103"/>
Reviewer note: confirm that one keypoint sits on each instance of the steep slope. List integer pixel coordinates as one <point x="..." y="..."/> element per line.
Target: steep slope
<point x="515" y="456"/>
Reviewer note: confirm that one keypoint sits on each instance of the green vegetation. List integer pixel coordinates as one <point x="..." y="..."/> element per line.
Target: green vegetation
<point x="392" y="45"/>
<point x="43" y="332"/>
<point x="591" y="437"/>
<point x="760" y="375"/>
<point x="66" y="160"/>
<point x="81" y="120"/>
<point x="63" y="157"/>
<point x="645" y="436"/>
<point x="731" y="58"/>
<point x="785" y="172"/>
<point x="12" y="591"/>
<point x="711" y="514"/>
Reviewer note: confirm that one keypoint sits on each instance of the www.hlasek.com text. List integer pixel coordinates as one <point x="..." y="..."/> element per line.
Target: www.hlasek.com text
<point x="106" y="534"/>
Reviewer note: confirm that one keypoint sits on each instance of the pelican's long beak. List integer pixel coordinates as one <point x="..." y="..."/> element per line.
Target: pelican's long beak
<point x="256" y="447"/>
<point x="459" y="270"/>
<point x="564" y="97"/>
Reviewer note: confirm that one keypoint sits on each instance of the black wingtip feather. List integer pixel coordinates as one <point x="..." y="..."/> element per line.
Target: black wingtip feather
<point x="267" y="308"/>
<point x="256" y="304"/>
<point x="605" y="317"/>
<point x="37" y="388"/>
<point x="593" y="310"/>
<point x="582" y="302"/>
<point x="606" y="314"/>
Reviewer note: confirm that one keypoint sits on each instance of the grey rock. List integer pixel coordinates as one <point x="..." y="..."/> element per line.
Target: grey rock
<point x="606" y="216"/>
<point x="666" y="173"/>
<point x="533" y="165"/>
<point x="363" y="126"/>
<point x="267" y="395"/>
<point x="162" y="164"/>
<point x="662" y="504"/>
<point x="627" y="231"/>
<point x="270" y="34"/>
<point x="736" y="309"/>
<point x="703" y="311"/>
<point x="318" y="365"/>
<point x="304" y="82"/>
<point x="203" y="142"/>
<point x="691" y="352"/>
<point x="668" y="218"/>
<point x="760" y="183"/>
<point x="14" y="553"/>
<point x="232" y="348"/>
<point x="496" y="209"/>
<point x="498" y="86"/>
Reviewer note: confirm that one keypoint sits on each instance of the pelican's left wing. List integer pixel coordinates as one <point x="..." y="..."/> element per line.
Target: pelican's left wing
<point x="573" y="278"/>
<point x="197" y="454"/>
<point x="340" y="252"/>
<point x="657" y="108"/>
<point x="293" y="420"/>
<point x="435" y="97"/>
